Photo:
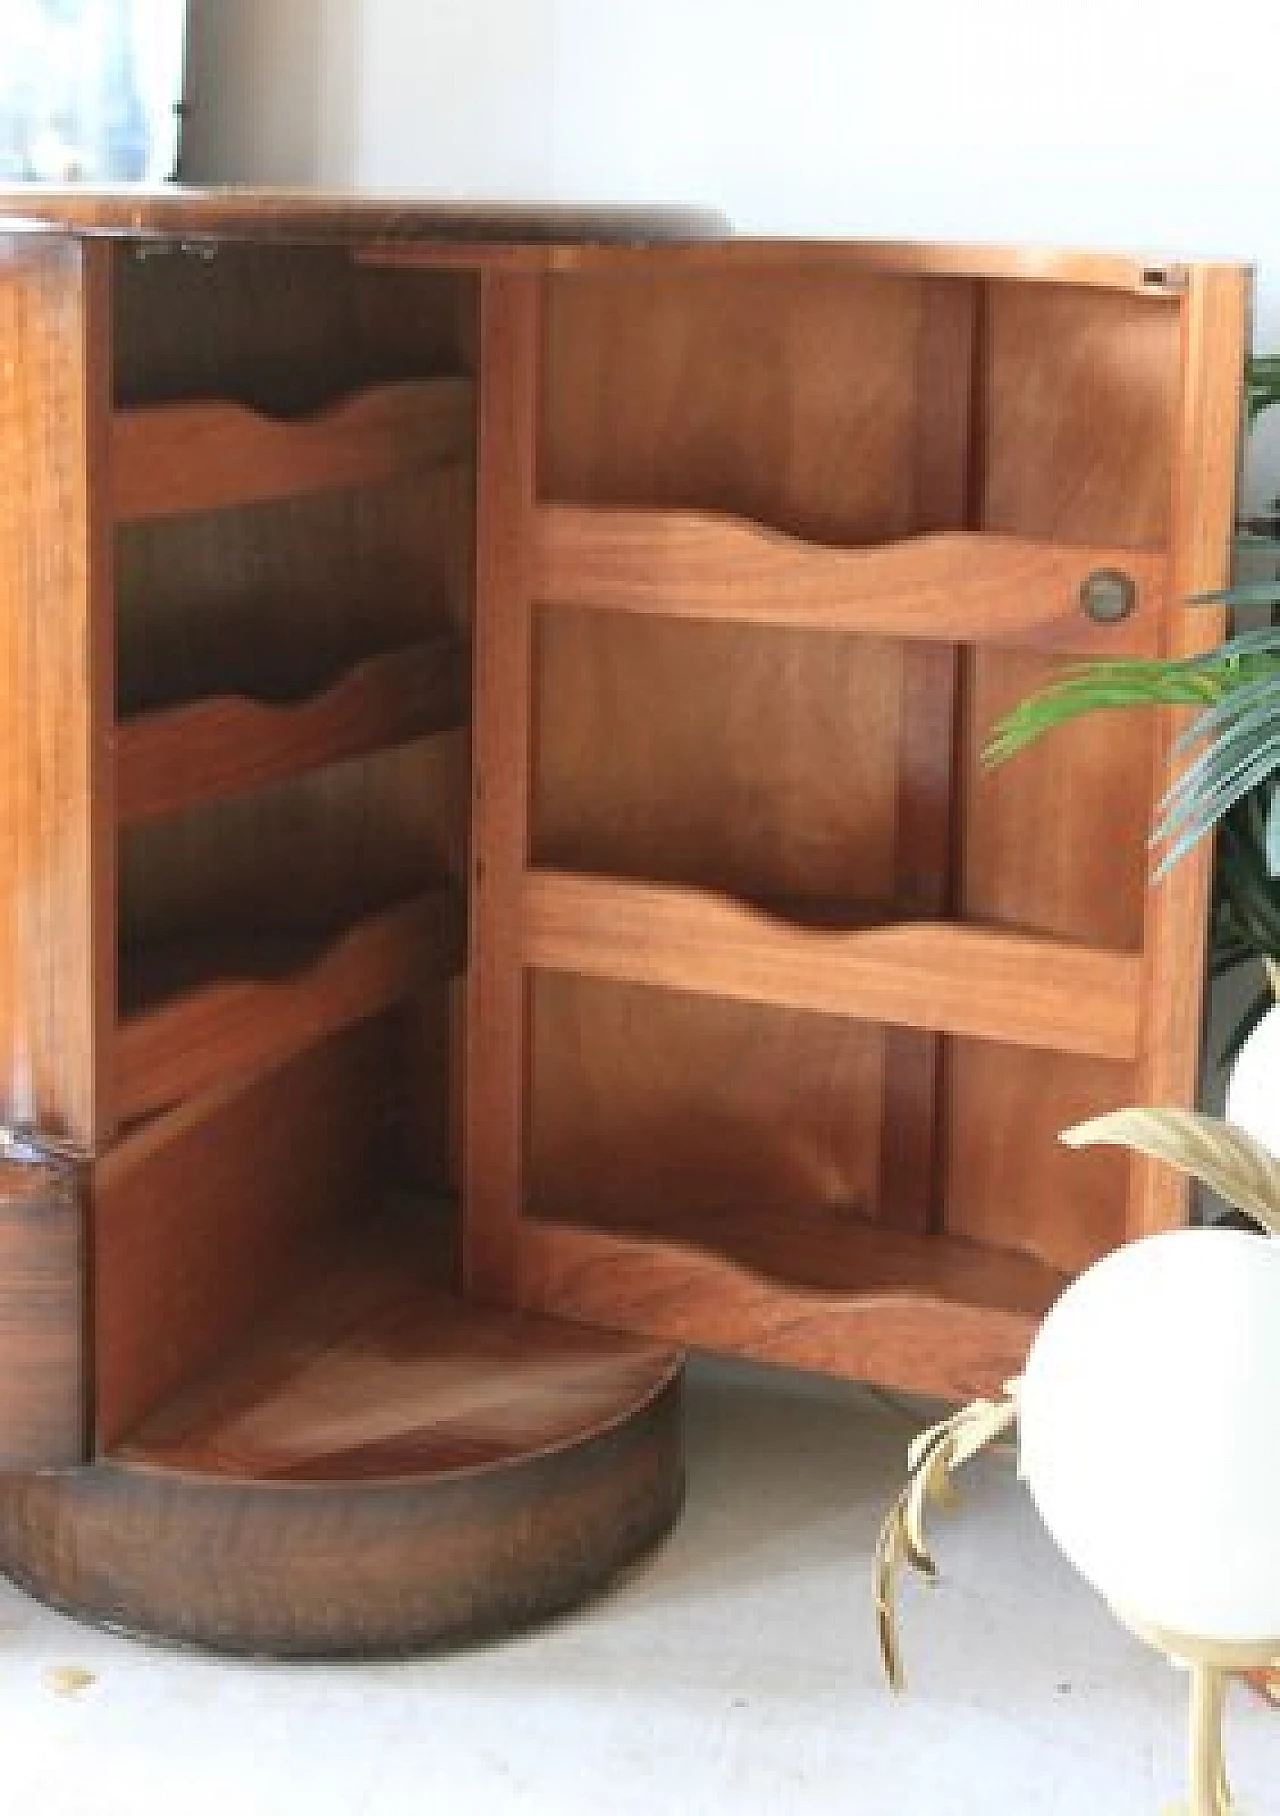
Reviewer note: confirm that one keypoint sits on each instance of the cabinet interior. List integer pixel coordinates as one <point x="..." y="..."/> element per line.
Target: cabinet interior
<point x="807" y="992"/>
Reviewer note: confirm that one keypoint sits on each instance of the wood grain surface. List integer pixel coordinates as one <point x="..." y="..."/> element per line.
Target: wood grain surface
<point x="300" y="218"/>
<point x="922" y="1314"/>
<point x="177" y="757"/>
<point x="495" y="1052"/>
<point x="943" y="586"/>
<point x="44" y="1331"/>
<point x="923" y="974"/>
<point x="204" y="1215"/>
<point x="376" y="1468"/>
<point x="175" y="458"/>
<point x="1078" y="399"/>
<point x="57" y="937"/>
<point x="1215" y="339"/>
<point x="204" y="1012"/>
<point x="277" y="602"/>
<point x="947" y="451"/>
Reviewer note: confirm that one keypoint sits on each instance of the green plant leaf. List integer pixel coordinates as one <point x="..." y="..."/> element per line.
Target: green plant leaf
<point x="1193" y="818"/>
<point x="1111" y="686"/>
<point x="1244" y="691"/>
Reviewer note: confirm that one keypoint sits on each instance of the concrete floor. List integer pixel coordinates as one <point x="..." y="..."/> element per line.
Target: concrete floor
<point x="736" y="1672"/>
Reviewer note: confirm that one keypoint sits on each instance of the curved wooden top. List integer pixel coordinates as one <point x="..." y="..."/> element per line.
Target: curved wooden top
<point x="295" y="216"/>
<point x="416" y="228"/>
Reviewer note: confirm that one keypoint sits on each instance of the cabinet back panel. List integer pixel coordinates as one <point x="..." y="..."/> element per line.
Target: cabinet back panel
<point x="303" y="855"/>
<point x="791" y="400"/>
<point x="651" y="1098"/>
<point x="282" y="329"/>
<point x="757" y="761"/>
<point x="765" y="762"/>
<point x="277" y="600"/>
<point x="1009" y="1182"/>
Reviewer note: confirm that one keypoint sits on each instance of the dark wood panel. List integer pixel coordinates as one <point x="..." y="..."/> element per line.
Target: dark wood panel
<point x="305" y="856"/>
<point x="43" y="1333"/>
<point x="274" y="601"/>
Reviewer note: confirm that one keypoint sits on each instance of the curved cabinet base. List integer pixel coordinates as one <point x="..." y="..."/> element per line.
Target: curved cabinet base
<point x="507" y="1469"/>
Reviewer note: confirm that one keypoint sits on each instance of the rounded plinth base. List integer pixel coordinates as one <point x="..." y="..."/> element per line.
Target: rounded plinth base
<point x="384" y="1470"/>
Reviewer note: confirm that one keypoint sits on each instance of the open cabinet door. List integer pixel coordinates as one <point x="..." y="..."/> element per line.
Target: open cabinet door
<point x="779" y="998"/>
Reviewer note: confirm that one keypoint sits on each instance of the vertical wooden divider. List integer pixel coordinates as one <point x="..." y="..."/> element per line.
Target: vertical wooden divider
<point x="1214" y="343"/>
<point x="496" y="1040"/>
<point x="57" y="817"/>
<point x="946" y="376"/>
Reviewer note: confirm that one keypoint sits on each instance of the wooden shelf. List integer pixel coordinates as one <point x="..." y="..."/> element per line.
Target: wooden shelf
<point x="181" y="756"/>
<point x="198" y="1013"/>
<point x="374" y="1466"/>
<point x="810" y="1289"/>
<point x="170" y="459"/>
<point x="962" y="980"/>
<point x="952" y="586"/>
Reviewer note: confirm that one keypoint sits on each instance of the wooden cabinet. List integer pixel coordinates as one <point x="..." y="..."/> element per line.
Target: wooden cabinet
<point x="493" y="708"/>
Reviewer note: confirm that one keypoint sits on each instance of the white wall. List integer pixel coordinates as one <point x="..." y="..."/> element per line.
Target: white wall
<point x="448" y="96"/>
<point x="1140" y="124"/>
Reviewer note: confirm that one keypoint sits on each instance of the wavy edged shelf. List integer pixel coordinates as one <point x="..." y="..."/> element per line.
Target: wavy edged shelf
<point x="170" y="459"/>
<point x="812" y="1289"/>
<point x="373" y="1467"/>
<point x="951" y="586"/>
<point x="198" y="1013"/>
<point x="183" y="756"/>
<point x="951" y="979"/>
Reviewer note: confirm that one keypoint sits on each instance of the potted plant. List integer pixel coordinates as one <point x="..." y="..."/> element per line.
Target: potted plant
<point x="1231" y="786"/>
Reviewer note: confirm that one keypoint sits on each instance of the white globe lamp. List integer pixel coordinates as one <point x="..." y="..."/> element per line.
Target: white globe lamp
<point x="1149" y="1420"/>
